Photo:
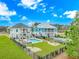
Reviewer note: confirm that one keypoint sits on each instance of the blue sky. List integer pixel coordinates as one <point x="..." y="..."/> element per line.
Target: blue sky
<point x="30" y="11"/>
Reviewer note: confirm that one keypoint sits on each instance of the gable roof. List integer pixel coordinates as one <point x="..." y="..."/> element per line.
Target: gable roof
<point x="20" y="25"/>
<point x="45" y="25"/>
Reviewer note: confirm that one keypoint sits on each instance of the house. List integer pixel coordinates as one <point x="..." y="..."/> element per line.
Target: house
<point x="61" y="28"/>
<point x="44" y="29"/>
<point x="19" y="31"/>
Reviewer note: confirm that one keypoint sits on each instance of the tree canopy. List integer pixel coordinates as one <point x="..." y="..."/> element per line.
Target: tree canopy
<point x="73" y="34"/>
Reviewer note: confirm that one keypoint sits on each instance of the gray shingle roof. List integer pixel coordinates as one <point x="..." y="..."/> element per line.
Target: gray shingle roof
<point x="20" y="25"/>
<point x="45" y="25"/>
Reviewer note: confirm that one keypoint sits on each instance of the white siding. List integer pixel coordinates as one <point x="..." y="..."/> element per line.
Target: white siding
<point x="20" y="33"/>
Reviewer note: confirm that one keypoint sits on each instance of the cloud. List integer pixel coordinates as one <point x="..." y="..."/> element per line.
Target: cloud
<point x="55" y="15"/>
<point x="60" y="16"/>
<point x="48" y="21"/>
<point x="31" y="4"/>
<point x="10" y="22"/>
<point x="70" y="14"/>
<point x="52" y="7"/>
<point x="30" y="23"/>
<point x="5" y="18"/>
<point x="43" y="5"/>
<point x="44" y="10"/>
<point x="24" y="18"/>
<point x="5" y="13"/>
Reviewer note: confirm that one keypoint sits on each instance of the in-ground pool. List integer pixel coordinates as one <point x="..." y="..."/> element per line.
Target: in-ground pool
<point x="34" y="40"/>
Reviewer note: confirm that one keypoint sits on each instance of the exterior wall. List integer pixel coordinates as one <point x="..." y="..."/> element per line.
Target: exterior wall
<point x="13" y="32"/>
<point x="29" y="31"/>
<point x="50" y="32"/>
<point x="20" y="34"/>
<point x="51" y="55"/>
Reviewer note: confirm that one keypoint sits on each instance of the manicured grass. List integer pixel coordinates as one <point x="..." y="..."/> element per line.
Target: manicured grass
<point x="9" y="50"/>
<point x="46" y="48"/>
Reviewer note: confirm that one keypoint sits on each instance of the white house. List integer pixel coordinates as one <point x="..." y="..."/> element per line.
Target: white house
<point x="19" y="31"/>
<point x="44" y="29"/>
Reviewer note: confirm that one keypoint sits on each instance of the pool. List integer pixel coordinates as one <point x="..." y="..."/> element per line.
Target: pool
<point x="34" y="40"/>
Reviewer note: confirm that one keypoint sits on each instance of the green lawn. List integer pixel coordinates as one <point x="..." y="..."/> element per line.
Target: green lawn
<point x="46" y="48"/>
<point x="9" y="50"/>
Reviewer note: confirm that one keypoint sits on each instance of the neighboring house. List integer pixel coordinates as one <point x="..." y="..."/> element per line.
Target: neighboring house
<point x="44" y="29"/>
<point x="61" y="28"/>
<point x="19" y="31"/>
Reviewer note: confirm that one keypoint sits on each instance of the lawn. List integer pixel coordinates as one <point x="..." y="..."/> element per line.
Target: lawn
<point x="46" y="48"/>
<point x="9" y="50"/>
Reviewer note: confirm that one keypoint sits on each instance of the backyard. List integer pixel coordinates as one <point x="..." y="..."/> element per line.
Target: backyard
<point x="9" y="50"/>
<point x="45" y="48"/>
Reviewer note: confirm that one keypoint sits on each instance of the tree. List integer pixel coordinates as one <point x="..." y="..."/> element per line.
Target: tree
<point x="73" y="34"/>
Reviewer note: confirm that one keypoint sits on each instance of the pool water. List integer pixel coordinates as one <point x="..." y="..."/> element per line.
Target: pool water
<point x="34" y="40"/>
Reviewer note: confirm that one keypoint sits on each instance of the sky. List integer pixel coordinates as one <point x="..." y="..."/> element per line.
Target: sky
<point x="42" y="11"/>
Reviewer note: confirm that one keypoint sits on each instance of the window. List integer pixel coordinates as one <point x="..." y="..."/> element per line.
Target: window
<point x="16" y="30"/>
<point x="39" y="29"/>
<point x="36" y="29"/>
<point x="43" y="30"/>
<point x="32" y="29"/>
<point x="52" y="30"/>
<point x="23" y="30"/>
<point x="24" y="34"/>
